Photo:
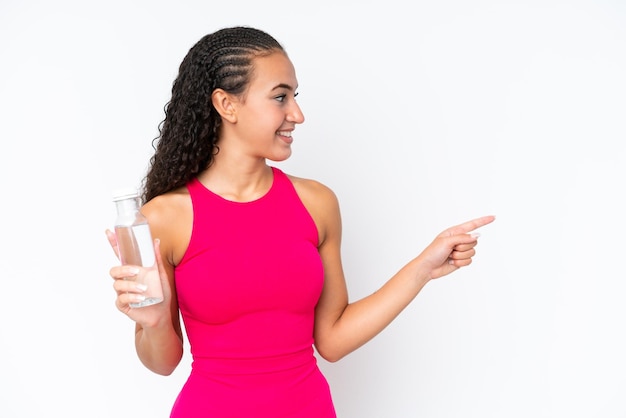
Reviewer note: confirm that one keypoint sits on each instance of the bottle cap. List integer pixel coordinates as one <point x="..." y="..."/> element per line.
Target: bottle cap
<point x="125" y="193"/>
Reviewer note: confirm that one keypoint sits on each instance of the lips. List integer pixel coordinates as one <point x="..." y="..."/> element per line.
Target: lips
<point x="285" y="136"/>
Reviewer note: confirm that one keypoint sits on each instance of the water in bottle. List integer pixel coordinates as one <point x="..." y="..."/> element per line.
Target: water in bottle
<point x="135" y="245"/>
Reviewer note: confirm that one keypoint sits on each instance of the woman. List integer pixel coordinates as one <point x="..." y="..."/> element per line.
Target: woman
<point x="248" y="255"/>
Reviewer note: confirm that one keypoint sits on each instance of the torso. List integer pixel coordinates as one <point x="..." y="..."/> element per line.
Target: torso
<point x="250" y="316"/>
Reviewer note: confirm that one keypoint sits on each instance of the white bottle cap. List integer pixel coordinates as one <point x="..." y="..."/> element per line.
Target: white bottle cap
<point x="125" y="193"/>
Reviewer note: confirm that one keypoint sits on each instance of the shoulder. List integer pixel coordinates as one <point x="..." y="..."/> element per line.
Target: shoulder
<point x="170" y="216"/>
<point x="164" y="207"/>
<point x="322" y="204"/>
<point x="313" y="190"/>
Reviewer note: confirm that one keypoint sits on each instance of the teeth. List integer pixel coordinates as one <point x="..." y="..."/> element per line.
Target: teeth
<point x="284" y="133"/>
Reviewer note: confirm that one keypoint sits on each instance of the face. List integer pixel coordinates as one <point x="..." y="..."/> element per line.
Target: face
<point x="268" y="115"/>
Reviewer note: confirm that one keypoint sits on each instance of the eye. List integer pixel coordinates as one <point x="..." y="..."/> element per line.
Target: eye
<point x="281" y="98"/>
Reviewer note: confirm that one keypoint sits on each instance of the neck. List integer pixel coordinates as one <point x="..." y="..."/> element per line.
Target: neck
<point x="236" y="180"/>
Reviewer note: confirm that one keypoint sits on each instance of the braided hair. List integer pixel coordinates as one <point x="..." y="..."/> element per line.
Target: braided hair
<point x="186" y="144"/>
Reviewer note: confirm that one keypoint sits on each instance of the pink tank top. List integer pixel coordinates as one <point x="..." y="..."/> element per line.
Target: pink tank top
<point x="247" y="288"/>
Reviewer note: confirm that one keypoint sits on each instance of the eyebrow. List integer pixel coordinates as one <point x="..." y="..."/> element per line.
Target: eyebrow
<point x="283" y="86"/>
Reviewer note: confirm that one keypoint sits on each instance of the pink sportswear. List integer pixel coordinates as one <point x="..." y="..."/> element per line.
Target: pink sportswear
<point x="247" y="288"/>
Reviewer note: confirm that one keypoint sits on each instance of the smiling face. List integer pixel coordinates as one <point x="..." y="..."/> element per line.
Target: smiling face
<point x="268" y="113"/>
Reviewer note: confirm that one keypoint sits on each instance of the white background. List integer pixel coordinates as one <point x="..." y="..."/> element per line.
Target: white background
<point x="420" y="115"/>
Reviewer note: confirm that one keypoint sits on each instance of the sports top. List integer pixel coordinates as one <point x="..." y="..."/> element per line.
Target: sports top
<point x="247" y="288"/>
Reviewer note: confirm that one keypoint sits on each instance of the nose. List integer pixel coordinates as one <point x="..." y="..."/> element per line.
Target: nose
<point x="295" y="114"/>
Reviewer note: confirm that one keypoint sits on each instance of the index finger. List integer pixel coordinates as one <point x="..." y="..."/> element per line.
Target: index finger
<point x="113" y="242"/>
<point x="469" y="226"/>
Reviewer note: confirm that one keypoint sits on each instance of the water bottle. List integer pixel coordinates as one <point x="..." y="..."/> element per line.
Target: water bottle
<point x="135" y="245"/>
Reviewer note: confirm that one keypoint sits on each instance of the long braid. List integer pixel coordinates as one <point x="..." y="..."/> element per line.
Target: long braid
<point x="187" y="139"/>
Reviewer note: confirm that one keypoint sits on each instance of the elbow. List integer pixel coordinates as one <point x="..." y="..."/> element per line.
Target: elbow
<point x="162" y="368"/>
<point x="164" y="371"/>
<point x="331" y="359"/>
<point x="329" y="353"/>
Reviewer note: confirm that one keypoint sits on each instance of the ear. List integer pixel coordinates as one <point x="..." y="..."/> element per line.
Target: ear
<point x="224" y="104"/>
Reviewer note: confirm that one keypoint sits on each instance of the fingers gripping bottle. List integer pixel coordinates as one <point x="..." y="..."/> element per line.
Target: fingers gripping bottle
<point x="135" y="244"/>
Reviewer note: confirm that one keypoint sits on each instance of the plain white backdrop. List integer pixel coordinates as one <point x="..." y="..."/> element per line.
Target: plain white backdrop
<point x="420" y="115"/>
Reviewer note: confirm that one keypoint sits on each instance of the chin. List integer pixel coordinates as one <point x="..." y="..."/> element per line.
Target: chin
<point x="280" y="157"/>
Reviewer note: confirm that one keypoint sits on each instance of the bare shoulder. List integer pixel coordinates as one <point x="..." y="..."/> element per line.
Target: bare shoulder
<point x="321" y="203"/>
<point x="171" y="220"/>
<point x="163" y="208"/>
<point x="313" y="191"/>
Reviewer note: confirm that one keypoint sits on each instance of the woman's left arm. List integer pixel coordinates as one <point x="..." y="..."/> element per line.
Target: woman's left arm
<point x="342" y="327"/>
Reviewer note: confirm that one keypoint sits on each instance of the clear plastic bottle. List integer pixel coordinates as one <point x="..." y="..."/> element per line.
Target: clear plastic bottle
<point x="135" y="244"/>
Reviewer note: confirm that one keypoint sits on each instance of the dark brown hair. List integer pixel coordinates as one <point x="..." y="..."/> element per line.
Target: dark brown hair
<point x="187" y="136"/>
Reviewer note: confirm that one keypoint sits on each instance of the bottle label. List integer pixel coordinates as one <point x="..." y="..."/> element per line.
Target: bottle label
<point x="143" y="238"/>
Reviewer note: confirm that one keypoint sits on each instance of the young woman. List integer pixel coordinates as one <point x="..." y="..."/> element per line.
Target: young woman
<point x="249" y="256"/>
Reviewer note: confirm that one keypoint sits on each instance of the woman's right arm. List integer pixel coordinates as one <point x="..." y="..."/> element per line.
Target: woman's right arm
<point x="159" y="344"/>
<point x="158" y="333"/>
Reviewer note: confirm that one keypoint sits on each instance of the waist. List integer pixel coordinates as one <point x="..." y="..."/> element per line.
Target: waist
<point x="207" y="365"/>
